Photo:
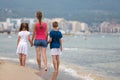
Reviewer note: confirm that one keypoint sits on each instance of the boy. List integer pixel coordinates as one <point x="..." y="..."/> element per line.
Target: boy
<point x="55" y="45"/>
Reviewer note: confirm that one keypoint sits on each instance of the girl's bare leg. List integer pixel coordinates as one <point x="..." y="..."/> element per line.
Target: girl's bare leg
<point x="20" y="59"/>
<point x="23" y="59"/>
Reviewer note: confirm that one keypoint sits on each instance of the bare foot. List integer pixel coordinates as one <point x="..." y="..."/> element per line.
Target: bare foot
<point x="39" y="67"/>
<point x="1" y="62"/>
<point x="45" y="69"/>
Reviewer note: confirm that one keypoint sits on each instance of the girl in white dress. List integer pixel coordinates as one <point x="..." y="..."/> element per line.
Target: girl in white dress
<point x="23" y="38"/>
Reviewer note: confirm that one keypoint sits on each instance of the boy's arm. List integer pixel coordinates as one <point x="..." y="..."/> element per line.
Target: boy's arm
<point x="60" y="40"/>
<point x="49" y="41"/>
<point x="50" y="38"/>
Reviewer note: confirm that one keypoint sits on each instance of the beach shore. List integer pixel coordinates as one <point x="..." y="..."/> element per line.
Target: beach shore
<point x="12" y="71"/>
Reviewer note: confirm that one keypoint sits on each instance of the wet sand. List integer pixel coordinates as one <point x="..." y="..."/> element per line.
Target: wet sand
<point x="12" y="71"/>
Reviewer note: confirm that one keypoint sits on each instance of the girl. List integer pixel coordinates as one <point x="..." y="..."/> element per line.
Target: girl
<point x="22" y="48"/>
<point x="55" y="46"/>
<point x="40" y="34"/>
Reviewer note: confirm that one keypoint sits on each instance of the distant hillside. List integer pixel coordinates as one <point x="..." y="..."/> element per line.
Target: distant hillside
<point x="8" y="13"/>
<point x="89" y="11"/>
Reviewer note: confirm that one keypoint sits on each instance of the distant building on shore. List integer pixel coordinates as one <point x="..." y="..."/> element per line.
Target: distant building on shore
<point x="15" y="23"/>
<point x="67" y="27"/>
<point x="107" y="27"/>
<point x="79" y="28"/>
<point x="4" y="27"/>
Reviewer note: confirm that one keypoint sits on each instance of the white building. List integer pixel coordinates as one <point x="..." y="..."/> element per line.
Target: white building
<point x="107" y="27"/>
<point x="3" y="25"/>
<point x="64" y="25"/>
<point x="15" y="23"/>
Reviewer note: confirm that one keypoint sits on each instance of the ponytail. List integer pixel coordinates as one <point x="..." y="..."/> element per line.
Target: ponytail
<point x="39" y="17"/>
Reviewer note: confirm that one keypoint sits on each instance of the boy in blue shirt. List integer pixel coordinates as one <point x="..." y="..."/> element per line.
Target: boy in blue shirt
<point x="55" y="45"/>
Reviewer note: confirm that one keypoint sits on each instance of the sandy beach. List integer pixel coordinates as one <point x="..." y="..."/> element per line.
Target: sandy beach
<point x="12" y="71"/>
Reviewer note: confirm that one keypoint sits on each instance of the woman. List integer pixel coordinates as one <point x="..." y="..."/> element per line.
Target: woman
<point x="40" y="35"/>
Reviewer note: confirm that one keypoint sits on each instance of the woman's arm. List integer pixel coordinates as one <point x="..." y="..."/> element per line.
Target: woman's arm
<point x="46" y="33"/>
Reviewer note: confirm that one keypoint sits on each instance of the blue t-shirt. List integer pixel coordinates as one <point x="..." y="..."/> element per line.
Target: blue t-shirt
<point x="56" y="36"/>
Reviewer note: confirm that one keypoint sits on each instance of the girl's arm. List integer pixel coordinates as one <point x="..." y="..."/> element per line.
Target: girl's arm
<point x="33" y="35"/>
<point x="30" y="40"/>
<point x="18" y="40"/>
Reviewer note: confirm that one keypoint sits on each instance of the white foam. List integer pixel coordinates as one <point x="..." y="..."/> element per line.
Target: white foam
<point x="9" y="36"/>
<point x="33" y="61"/>
<point x="69" y="71"/>
<point x="103" y="36"/>
<point x="86" y="77"/>
<point x="10" y="59"/>
<point x="71" y="49"/>
<point x="74" y="73"/>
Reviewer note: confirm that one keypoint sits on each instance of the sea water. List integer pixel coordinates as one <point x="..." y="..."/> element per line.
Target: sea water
<point x="94" y="54"/>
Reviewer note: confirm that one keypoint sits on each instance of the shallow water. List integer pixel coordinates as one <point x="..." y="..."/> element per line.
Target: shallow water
<point x="97" y="54"/>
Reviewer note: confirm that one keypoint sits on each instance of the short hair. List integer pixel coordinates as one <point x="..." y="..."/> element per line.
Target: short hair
<point x="55" y="24"/>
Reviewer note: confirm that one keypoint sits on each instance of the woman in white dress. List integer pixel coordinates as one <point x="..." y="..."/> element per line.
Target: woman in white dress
<point x="23" y="38"/>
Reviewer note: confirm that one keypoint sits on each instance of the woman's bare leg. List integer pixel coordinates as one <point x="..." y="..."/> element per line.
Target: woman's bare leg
<point x="38" y="57"/>
<point x="44" y="58"/>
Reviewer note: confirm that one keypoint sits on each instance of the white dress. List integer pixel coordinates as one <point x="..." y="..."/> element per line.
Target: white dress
<point x="22" y="46"/>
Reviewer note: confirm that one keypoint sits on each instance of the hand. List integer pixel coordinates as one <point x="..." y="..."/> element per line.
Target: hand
<point x="48" y="42"/>
<point x="31" y="44"/>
